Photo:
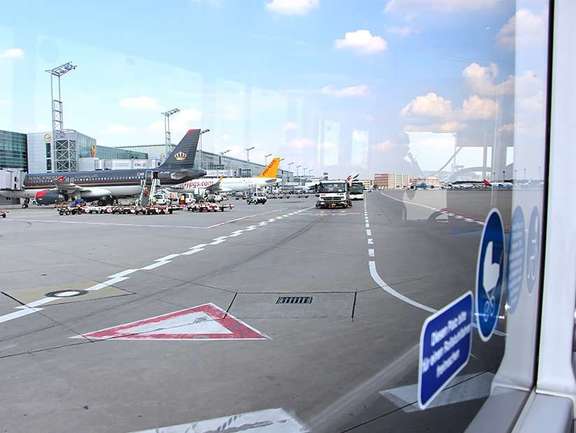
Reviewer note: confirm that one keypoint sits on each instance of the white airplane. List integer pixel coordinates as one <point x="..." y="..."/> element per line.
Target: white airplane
<point x="233" y="184"/>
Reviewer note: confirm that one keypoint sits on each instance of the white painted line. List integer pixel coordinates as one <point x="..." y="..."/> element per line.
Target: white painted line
<point x="262" y="421"/>
<point x="421" y="205"/>
<point x="370" y="241"/>
<point x="194" y="251"/>
<point x="166" y="258"/>
<point x="123" y="273"/>
<point x="369" y="232"/>
<point x="218" y="241"/>
<point x="263" y="223"/>
<point x="107" y="283"/>
<point x="17" y="314"/>
<point x="154" y="266"/>
<point x="38" y="303"/>
<point x="367" y="226"/>
<point x="236" y="233"/>
<point x="460" y="217"/>
<point x="469" y="220"/>
<point x="371" y="252"/>
<point x="198" y="246"/>
<point x="250" y="228"/>
<point x="450" y="214"/>
<point x="378" y="280"/>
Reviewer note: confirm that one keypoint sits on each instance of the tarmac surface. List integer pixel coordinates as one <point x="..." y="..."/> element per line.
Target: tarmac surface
<point x="344" y="360"/>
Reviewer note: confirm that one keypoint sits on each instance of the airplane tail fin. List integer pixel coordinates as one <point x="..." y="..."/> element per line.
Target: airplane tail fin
<point x="271" y="170"/>
<point x="184" y="153"/>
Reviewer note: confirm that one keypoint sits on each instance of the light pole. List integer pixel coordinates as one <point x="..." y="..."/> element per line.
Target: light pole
<point x="290" y="170"/>
<point x="248" y="149"/>
<point x="268" y="155"/>
<point x="221" y="155"/>
<point x="57" y="109"/>
<point x="202" y="132"/>
<point x="167" y="141"/>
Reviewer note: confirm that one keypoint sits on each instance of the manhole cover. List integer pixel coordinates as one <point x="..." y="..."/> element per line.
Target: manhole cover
<point x="294" y="300"/>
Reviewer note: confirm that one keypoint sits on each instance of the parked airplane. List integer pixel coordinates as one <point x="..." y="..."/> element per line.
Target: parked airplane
<point x="234" y="184"/>
<point x="107" y="185"/>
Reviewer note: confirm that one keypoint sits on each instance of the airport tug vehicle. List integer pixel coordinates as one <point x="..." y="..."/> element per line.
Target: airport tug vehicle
<point x="333" y="194"/>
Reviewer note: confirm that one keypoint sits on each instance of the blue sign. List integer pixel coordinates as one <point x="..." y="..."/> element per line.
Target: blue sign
<point x="516" y="252"/>
<point x="489" y="275"/>
<point x="445" y="346"/>
<point x="533" y="250"/>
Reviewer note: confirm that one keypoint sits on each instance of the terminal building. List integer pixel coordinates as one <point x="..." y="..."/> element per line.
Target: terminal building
<point x="73" y="151"/>
<point x="13" y="150"/>
<point x="215" y="164"/>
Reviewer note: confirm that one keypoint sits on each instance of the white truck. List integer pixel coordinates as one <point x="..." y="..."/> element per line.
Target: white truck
<point x="332" y="194"/>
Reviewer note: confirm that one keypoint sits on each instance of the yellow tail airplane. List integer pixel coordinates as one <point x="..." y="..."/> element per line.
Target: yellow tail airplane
<point x="268" y="176"/>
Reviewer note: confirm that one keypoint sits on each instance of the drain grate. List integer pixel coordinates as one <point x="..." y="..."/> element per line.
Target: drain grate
<point x="294" y="300"/>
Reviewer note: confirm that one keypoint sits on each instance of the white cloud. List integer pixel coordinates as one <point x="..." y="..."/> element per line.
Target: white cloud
<point x="12" y="53"/>
<point x="362" y="42"/>
<point x="292" y="7"/>
<point x="482" y="80"/>
<point x="403" y="31"/>
<point x="289" y="126"/>
<point x="507" y="128"/>
<point x="344" y="92"/>
<point x="478" y="108"/>
<point x="530" y="27"/>
<point x="448" y="126"/>
<point x="140" y="103"/>
<point x="301" y="143"/>
<point x="117" y="128"/>
<point x="429" y="105"/>
<point x="439" y="5"/>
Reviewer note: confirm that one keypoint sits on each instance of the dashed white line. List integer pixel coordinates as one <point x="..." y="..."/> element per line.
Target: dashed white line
<point x="31" y="307"/>
<point x="369" y="232"/>
<point x="370" y="241"/>
<point x="154" y="266"/>
<point x="371" y="252"/>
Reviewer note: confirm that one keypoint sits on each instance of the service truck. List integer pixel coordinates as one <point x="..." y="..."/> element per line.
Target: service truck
<point x="333" y="193"/>
<point x="357" y="191"/>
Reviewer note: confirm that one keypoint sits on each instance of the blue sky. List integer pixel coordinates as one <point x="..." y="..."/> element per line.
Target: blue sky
<point x="340" y="85"/>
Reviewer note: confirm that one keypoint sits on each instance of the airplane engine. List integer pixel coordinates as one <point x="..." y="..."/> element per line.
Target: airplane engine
<point x="47" y="197"/>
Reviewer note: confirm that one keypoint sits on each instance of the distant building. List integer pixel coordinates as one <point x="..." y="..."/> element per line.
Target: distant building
<point x="392" y="181"/>
<point x="13" y="150"/>
<point x="214" y="163"/>
<point x="67" y="150"/>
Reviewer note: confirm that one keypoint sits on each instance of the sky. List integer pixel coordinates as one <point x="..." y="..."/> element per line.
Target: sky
<point x="330" y="85"/>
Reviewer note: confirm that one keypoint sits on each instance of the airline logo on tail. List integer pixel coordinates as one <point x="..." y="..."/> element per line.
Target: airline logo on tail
<point x="271" y="170"/>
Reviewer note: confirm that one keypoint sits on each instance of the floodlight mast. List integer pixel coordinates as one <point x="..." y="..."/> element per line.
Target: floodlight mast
<point x="167" y="138"/>
<point x="56" y="104"/>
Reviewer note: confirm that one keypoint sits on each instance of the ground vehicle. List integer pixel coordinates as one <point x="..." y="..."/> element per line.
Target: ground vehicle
<point x="161" y="199"/>
<point x="257" y="198"/>
<point x="333" y="193"/>
<point x="357" y="191"/>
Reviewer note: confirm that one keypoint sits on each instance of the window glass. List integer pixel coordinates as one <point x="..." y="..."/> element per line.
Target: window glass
<point x="360" y="245"/>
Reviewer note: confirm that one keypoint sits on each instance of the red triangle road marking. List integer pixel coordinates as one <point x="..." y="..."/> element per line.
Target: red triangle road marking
<point x="203" y="322"/>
